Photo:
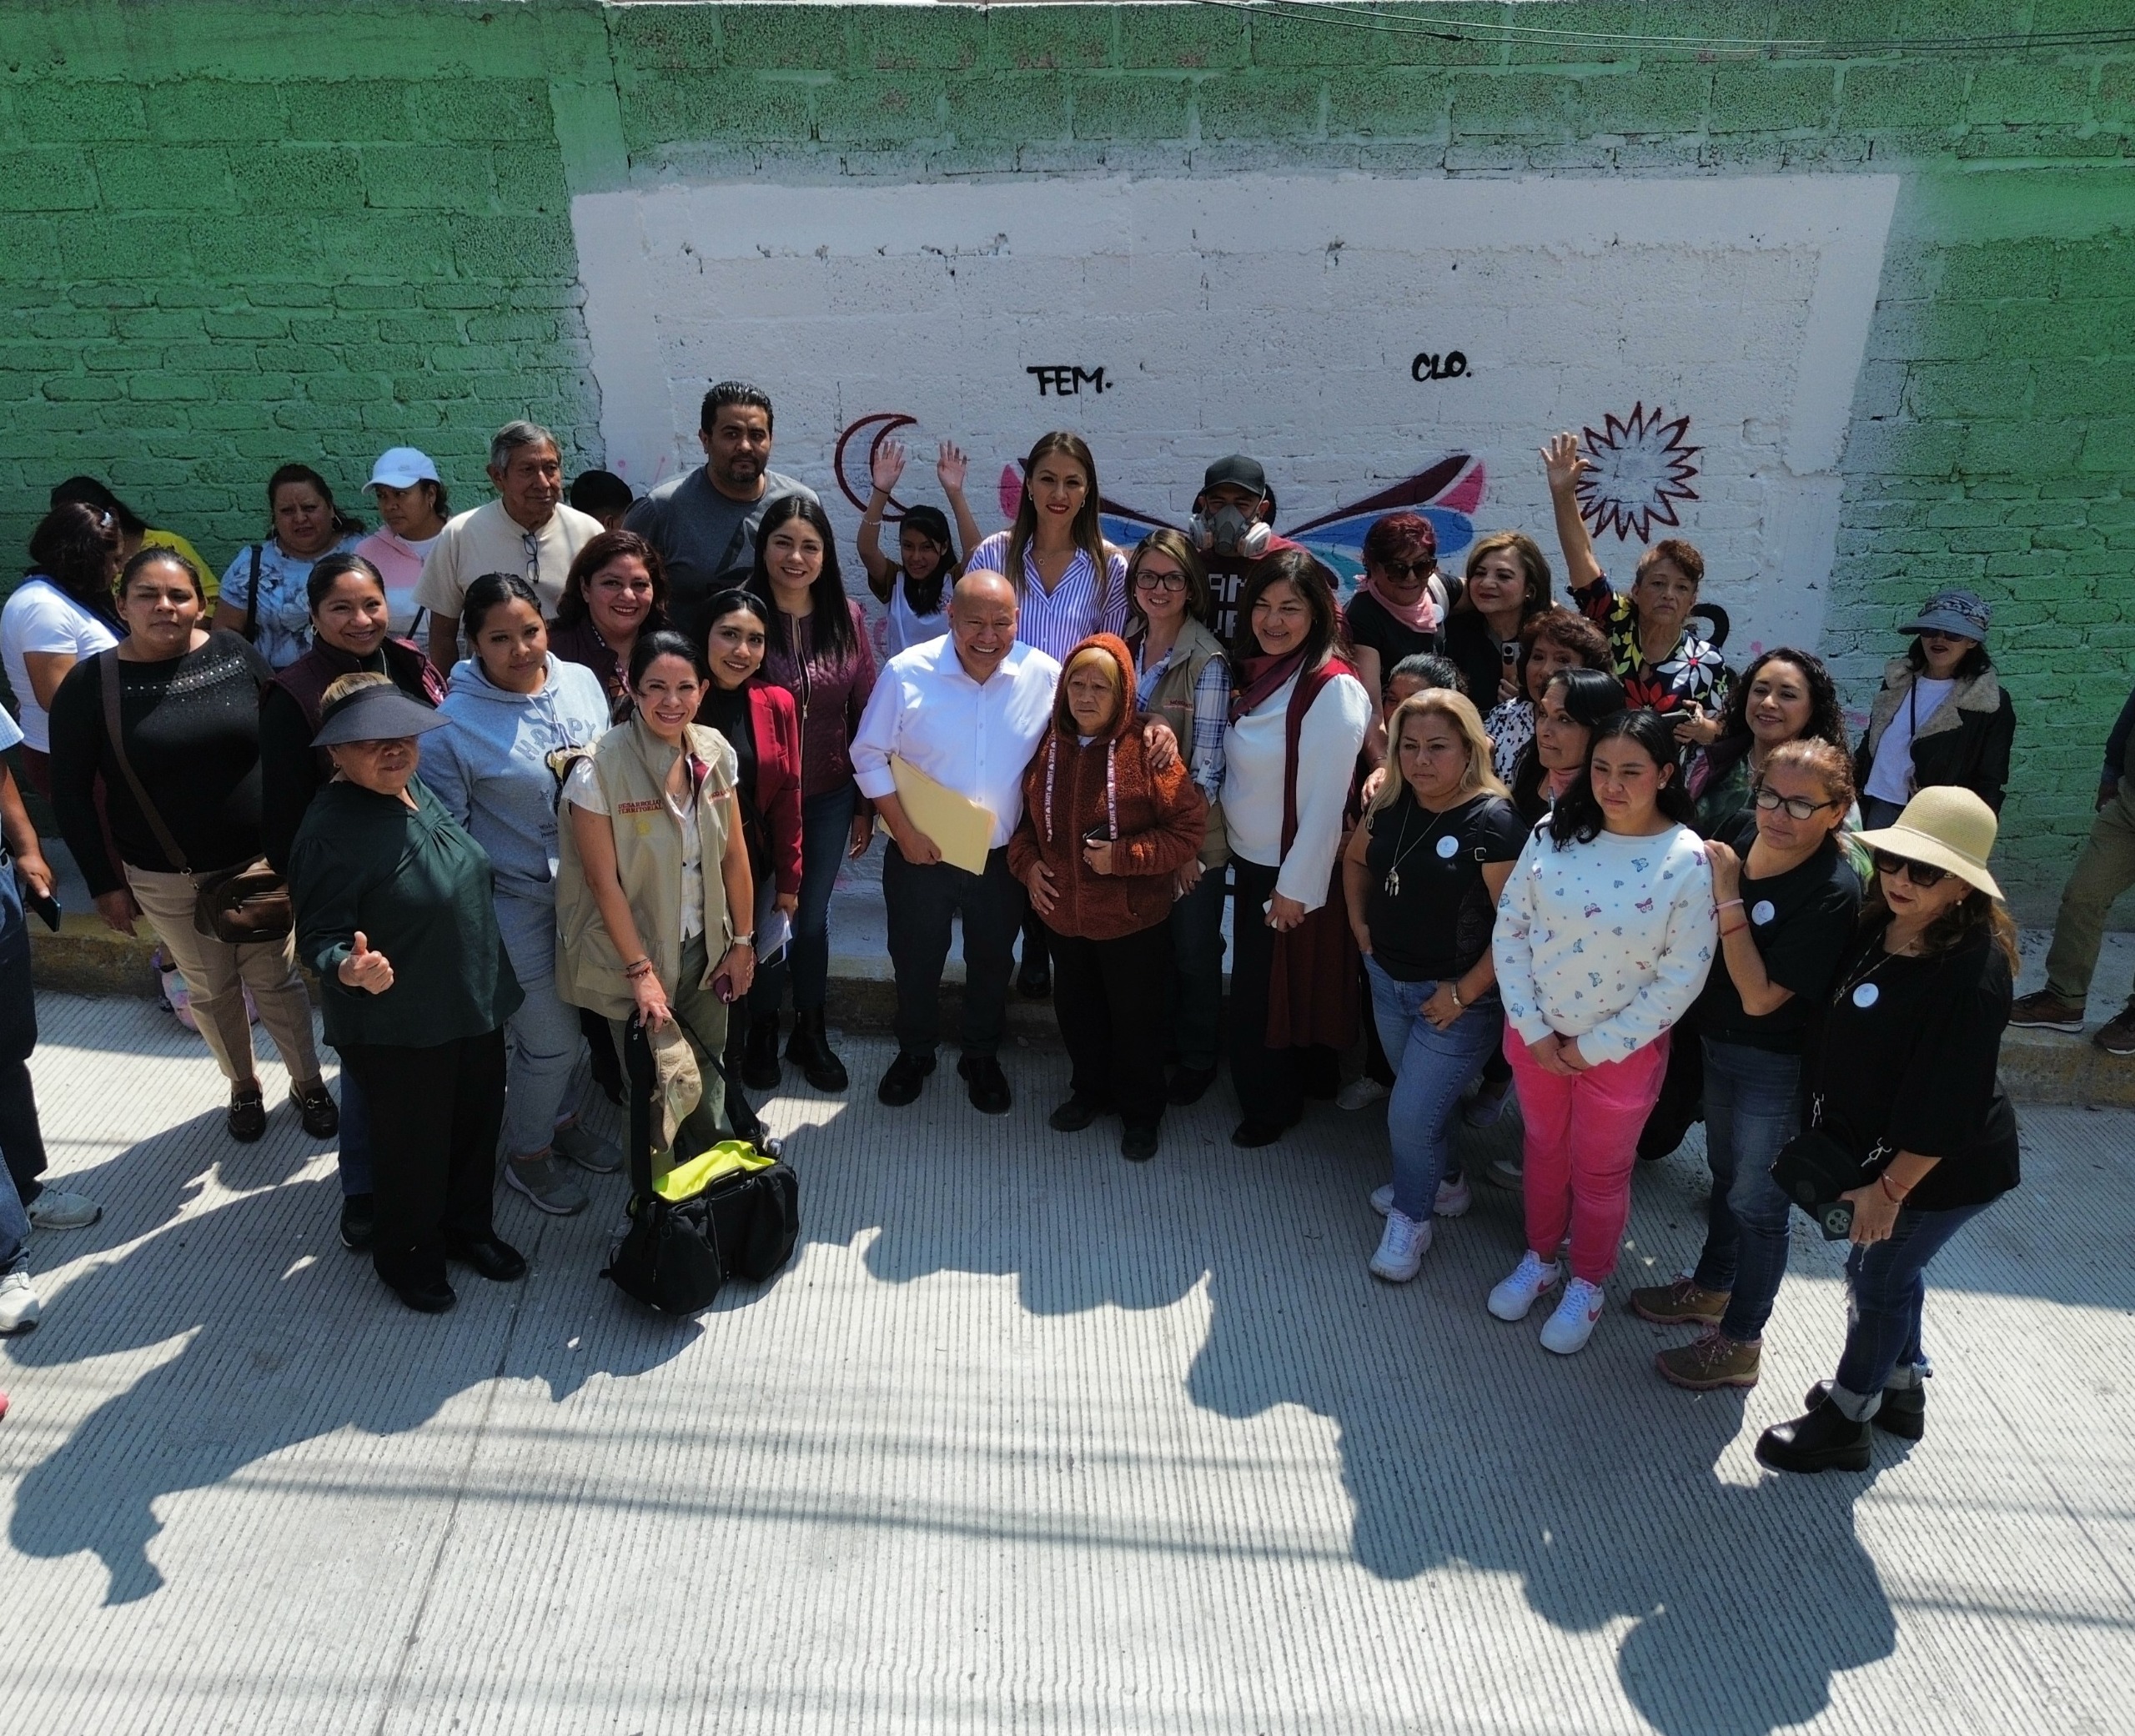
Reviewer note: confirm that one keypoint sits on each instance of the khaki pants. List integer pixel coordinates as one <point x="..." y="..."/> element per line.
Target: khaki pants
<point x="216" y="974"/>
<point x="2105" y="869"/>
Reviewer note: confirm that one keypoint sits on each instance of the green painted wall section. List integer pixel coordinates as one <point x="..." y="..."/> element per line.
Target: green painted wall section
<point x="236" y="232"/>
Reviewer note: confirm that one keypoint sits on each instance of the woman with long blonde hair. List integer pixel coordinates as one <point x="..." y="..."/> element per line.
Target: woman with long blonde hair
<point x="1422" y="876"/>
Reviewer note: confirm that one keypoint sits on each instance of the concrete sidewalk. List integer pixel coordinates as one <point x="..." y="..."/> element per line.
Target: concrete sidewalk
<point x="1025" y="1438"/>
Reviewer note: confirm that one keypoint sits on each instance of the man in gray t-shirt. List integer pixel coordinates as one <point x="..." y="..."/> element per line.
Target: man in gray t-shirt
<point x="704" y="524"/>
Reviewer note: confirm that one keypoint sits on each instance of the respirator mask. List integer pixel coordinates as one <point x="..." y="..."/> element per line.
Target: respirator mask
<point x="1226" y="530"/>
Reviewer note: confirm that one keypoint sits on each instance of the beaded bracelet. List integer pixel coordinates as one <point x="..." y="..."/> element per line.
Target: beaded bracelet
<point x="641" y="967"/>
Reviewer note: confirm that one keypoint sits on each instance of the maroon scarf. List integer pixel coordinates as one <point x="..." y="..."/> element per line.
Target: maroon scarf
<point x="1260" y="678"/>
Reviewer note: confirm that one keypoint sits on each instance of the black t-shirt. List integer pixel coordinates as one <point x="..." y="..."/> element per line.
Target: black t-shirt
<point x="1906" y="1061"/>
<point x="1372" y="628"/>
<point x="1479" y="658"/>
<point x="192" y="730"/>
<point x="1802" y="922"/>
<point x="1437" y="921"/>
<point x="727" y="710"/>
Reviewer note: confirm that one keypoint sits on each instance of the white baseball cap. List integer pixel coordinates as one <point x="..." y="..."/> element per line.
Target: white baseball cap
<point x="402" y="467"/>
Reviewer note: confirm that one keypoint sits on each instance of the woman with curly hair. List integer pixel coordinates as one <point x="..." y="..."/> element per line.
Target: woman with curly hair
<point x="1785" y="695"/>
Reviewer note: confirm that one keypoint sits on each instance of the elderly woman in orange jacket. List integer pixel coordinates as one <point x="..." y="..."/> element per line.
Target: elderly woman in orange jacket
<point x="1102" y="835"/>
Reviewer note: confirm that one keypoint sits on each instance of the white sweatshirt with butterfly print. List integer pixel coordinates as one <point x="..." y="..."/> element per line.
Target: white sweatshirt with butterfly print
<point x="1608" y="941"/>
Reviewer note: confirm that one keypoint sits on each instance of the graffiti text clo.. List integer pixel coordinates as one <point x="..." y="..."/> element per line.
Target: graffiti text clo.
<point x="1450" y="366"/>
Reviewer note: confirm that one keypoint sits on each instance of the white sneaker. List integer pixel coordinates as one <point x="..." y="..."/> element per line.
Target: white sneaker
<point x="1401" y="1248"/>
<point x="55" y="1209"/>
<point x="1507" y="1172"/>
<point x="1567" y="1331"/>
<point x="1360" y="1093"/>
<point x="1453" y="1199"/>
<point x="19" y="1308"/>
<point x="1531" y="1280"/>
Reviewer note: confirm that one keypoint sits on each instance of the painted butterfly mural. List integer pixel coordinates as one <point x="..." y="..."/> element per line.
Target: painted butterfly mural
<point x="1446" y="492"/>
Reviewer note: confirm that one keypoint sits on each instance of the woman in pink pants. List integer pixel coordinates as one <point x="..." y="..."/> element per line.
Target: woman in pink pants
<point x="1604" y="937"/>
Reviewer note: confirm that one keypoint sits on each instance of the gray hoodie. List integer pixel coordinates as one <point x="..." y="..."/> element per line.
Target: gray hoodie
<point x="491" y="768"/>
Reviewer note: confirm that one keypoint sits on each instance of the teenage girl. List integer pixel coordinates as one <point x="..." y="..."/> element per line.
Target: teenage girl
<point x="916" y="586"/>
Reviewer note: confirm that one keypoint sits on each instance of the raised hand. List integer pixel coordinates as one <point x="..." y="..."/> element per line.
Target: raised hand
<point x="951" y="466"/>
<point x="888" y="465"/>
<point x="363" y="969"/>
<point x="1562" y="461"/>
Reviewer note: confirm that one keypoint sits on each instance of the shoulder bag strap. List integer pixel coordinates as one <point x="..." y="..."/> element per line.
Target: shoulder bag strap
<point x="108" y="676"/>
<point x="252" y="600"/>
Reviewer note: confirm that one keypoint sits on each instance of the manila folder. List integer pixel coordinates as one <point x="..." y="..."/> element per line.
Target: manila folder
<point x="961" y="829"/>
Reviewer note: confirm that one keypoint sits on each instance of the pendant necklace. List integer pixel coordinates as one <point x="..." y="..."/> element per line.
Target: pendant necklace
<point x="1393" y="880"/>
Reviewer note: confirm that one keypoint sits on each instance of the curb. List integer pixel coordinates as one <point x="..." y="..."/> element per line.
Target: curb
<point x="87" y="958"/>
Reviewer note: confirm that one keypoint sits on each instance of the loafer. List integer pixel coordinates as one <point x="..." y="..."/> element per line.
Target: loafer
<point x="495" y="1260"/>
<point x="248" y="1113"/>
<point x="426" y="1296"/>
<point x="1138" y="1145"/>
<point x="1077" y="1113"/>
<point x="316" y="1109"/>
<point x="359" y="1222"/>
<point x="988" y="1085"/>
<point x="1903" y="1411"/>
<point x="1190" y="1085"/>
<point x="1826" y="1439"/>
<point x="904" y="1081"/>
<point x="586" y="1148"/>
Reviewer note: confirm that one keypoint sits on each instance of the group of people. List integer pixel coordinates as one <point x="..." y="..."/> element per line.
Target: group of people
<point x="528" y="773"/>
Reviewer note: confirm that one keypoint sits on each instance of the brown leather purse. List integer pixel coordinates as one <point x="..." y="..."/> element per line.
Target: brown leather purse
<point x="247" y="906"/>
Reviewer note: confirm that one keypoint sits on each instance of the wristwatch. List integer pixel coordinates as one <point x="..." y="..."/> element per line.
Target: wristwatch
<point x="746" y="939"/>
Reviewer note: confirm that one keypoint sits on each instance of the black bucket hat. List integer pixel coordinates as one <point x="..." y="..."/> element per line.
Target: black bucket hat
<point x="381" y="713"/>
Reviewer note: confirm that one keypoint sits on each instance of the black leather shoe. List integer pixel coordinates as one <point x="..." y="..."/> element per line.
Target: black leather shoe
<point x="433" y="1297"/>
<point x="809" y="1049"/>
<point x="760" y="1060"/>
<point x="1826" y="1439"/>
<point x="248" y="1113"/>
<point x="1077" y="1113"/>
<point x="359" y="1222"/>
<point x="317" y="1110"/>
<point x="1903" y="1411"/>
<point x="989" y="1091"/>
<point x="1034" y="981"/>
<point x="1138" y="1145"/>
<point x="1190" y="1085"/>
<point x="905" y="1079"/>
<point x="499" y="1262"/>
<point x="1254" y="1132"/>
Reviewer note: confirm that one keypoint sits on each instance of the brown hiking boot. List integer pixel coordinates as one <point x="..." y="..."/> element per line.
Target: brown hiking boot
<point x="1709" y="1361"/>
<point x="1681" y="1304"/>
<point x="2117" y="1036"/>
<point x="2046" y="1011"/>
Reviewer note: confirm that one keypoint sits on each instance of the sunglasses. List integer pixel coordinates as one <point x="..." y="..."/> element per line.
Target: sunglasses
<point x="1402" y="572"/>
<point x="1798" y="807"/>
<point x="1919" y="873"/>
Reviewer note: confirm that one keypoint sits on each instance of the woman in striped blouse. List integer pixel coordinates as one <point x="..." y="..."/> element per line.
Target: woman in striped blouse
<point x="1069" y="582"/>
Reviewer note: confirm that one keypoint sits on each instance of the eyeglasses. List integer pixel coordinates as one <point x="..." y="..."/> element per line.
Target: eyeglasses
<point x="1146" y="581"/>
<point x="531" y="543"/>
<point x="1919" y="873"/>
<point x="1404" y="572"/>
<point x="1798" y="807"/>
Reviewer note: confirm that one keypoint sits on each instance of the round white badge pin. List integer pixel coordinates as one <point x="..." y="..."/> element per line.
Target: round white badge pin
<point x="1448" y="848"/>
<point x="1867" y="994"/>
<point x="1761" y="912"/>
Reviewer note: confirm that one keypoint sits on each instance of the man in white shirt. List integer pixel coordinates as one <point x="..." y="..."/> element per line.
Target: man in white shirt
<point x="968" y="710"/>
<point x="527" y="530"/>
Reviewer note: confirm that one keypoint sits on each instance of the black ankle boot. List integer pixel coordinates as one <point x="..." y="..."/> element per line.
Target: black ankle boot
<point x="760" y="1060"/>
<point x="809" y="1049"/>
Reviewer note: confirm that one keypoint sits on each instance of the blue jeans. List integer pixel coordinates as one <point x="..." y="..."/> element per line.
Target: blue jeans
<point x="1197" y="972"/>
<point x="1752" y="1107"/>
<point x="14" y="1227"/>
<point x="825" y="836"/>
<point x="1886" y="1286"/>
<point x="1431" y="1068"/>
<point x="542" y="1040"/>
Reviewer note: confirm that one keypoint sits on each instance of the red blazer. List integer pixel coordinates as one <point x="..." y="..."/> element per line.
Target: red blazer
<point x="774" y="727"/>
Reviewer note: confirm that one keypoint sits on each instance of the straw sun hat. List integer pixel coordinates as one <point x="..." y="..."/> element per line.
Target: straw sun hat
<point x="1946" y="827"/>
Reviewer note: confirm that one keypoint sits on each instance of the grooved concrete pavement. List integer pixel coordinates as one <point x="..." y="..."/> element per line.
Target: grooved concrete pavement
<point x="1025" y="1439"/>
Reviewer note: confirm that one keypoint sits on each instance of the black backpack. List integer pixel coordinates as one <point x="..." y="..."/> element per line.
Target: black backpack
<point x="677" y="1252"/>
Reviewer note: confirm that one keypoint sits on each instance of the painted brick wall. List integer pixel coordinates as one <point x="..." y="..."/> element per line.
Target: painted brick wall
<point x="234" y="232"/>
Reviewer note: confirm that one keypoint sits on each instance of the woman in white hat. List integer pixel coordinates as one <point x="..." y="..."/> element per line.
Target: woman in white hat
<point x="412" y="502"/>
<point x="1941" y="716"/>
<point x="1903" y="1081"/>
